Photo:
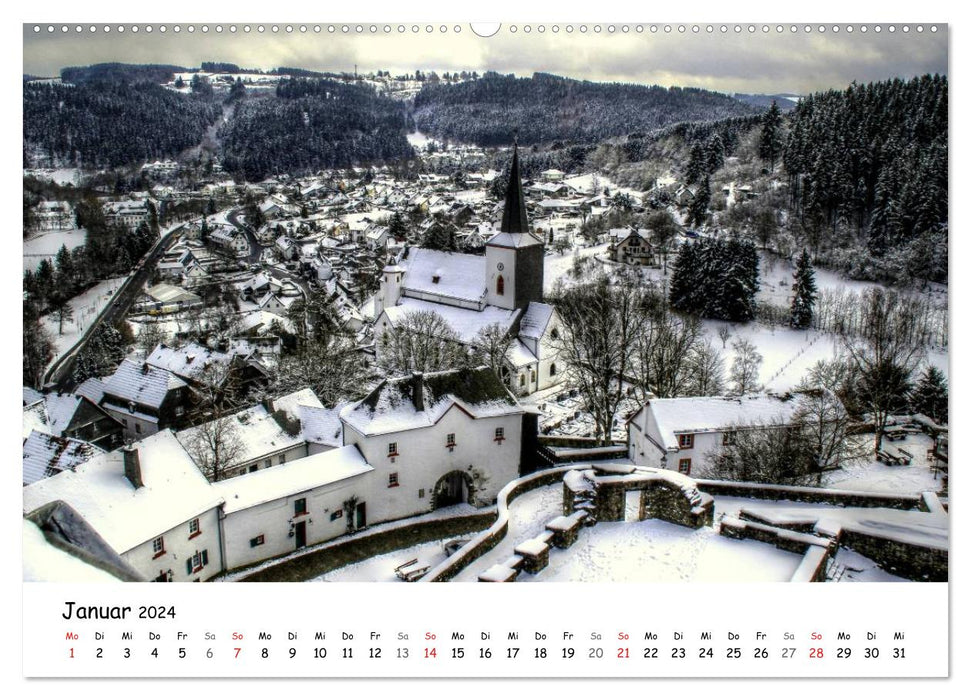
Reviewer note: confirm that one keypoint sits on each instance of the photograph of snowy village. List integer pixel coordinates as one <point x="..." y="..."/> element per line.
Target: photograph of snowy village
<point x="434" y="307"/>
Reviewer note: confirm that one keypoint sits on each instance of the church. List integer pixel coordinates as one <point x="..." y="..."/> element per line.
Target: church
<point x="471" y="292"/>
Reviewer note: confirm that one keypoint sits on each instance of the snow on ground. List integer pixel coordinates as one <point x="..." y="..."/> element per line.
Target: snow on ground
<point x="556" y="266"/>
<point x="46" y="244"/>
<point x="528" y="516"/>
<point x="870" y="475"/>
<point x="858" y="568"/>
<point x="654" y="551"/>
<point x="60" y="176"/>
<point x="381" y="568"/>
<point x="86" y="308"/>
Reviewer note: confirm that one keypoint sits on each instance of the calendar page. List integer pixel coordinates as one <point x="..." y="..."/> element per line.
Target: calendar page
<point x="646" y="322"/>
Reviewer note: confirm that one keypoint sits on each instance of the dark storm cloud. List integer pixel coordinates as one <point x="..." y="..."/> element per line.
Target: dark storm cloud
<point x="731" y="62"/>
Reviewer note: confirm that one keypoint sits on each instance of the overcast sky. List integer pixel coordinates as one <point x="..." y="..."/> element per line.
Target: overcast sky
<point x="770" y="62"/>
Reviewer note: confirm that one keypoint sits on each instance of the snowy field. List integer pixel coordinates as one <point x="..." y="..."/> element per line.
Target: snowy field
<point x="60" y="176"/>
<point x="46" y="244"/>
<point x="86" y="308"/>
<point x="654" y="551"/>
<point x="556" y="266"/>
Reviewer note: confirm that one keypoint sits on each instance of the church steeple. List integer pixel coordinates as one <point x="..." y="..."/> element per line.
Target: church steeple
<point x="514" y="212"/>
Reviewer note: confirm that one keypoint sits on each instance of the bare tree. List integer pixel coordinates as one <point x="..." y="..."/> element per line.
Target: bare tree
<point x="885" y="351"/>
<point x="492" y="343"/>
<point x="824" y="423"/>
<point x="664" y="346"/>
<point x="706" y="370"/>
<point x="215" y="446"/>
<point x="724" y="333"/>
<point x="778" y="453"/>
<point x="601" y="320"/>
<point x="333" y="368"/>
<point x="150" y="336"/>
<point x="745" y="367"/>
<point x="61" y="311"/>
<point x="421" y="341"/>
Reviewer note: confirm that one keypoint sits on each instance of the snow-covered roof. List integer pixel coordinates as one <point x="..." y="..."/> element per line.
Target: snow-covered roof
<point x="465" y="322"/>
<point x="535" y="320"/>
<point x="390" y="408"/>
<point x="31" y="395"/>
<point x="460" y="276"/>
<point x="289" y="479"/>
<point x="322" y="426"/>
<point x="141" y="383"/>
<point x="264" y="432"/>
<point x="698" y="414"/>
<point x="514" y="240"/>
<point x="92" y="388"/>
<point x="60" y="411"/>
<point x="187" y="362"/>
<point x="35" y="418"/>
<point x="46" y="455"/>
<point x="519" y="355"/>
<point x="174" y="492"/>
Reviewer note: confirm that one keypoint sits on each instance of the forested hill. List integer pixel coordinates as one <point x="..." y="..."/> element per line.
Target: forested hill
<point x="312" y="125"/>
<point x="112" y="123"/>
<point x="872" y="158"/>
<point x="120" y="72"/>
<point x="547" y="108"/>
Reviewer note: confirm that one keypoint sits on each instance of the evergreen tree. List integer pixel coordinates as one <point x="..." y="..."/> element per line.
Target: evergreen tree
<point x="770" y="138"/>
<point x="698" y="209"/>
<point x="101" y="355"/>
<point x="803" y="293"/>
<point x="930" y="395"/>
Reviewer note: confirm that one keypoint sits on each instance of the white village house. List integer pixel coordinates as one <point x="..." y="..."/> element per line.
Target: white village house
<point x="413" y="445"/>
<point x="682" y="433"/>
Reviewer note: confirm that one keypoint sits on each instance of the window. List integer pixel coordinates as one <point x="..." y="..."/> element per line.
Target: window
<point x="138" y="428"/>
<point x="450" y="441"/>
<point x="421" y="493"/>
<point x="553" y="369"/>
<point x="532" y="375"/>
<point x="300" y="507"/>
<point x="728" y="438"/>
<point x="436" y="279"/>
<point x="180" y="410"/>
<point x="500" y="435"/>
<point x="268" y="463"/>
<point x="253" y="468"/>
<point x="392" y="480"/>
<point x="257" y="541"/>
<point x="684" y="466"/>
<point x="500" y="285"/>
<point x="194" y="530"/>
<point x="392" y="449"/>
<point x="336" y="515"/>
<point x="555" y="334"/>
<point x="283" y="458"/>
<point x="158" y="547"/>
<point x="686" y="442"/>
<point x="196" y="562"/>
<point x="522" y="380"/>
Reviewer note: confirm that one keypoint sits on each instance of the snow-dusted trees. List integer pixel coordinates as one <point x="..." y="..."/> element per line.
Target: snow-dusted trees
<point x="716" y="278"/>
<point x="215" y="446"/>
<point x="103" y="351"/>
<point x="491" y="344"/>
<point x="770" y="138"/>
<point x="334" y="368"/>
<point x="930" y="395"/>
<point x="37" y="347"/>
<point x="745" y="367"/>
<point x="421" y="341"/>
<point x="884" y="352"/>
<point x="601" y="320"/>
<point x="803" y="293"/>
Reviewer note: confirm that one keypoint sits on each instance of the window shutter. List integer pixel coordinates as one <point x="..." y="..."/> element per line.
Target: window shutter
<point x="205" y="557"/>
<point x="188" y="566"/>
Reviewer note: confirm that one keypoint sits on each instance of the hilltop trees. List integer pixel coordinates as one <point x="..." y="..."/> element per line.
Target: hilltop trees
<point x="770" y="137"/>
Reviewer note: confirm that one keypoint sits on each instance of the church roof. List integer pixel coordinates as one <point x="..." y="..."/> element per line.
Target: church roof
<point x="514" y="229"/>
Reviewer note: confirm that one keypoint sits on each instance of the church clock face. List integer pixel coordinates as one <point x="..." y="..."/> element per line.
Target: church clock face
<point x="500" y="267"/>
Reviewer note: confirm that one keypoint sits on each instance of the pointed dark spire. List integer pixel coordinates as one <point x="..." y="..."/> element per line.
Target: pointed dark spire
<point x="514" y="212"/>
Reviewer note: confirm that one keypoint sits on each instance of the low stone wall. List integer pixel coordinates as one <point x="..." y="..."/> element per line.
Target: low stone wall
<point x="812" y="568"/>
<point x="366" y="545"/>
<point x="816" y="551"/>
<point x="909" y="560"/>
<point x="574" y="441"/>
<point x="485" y="541"/>
<point x="809" y="494"/>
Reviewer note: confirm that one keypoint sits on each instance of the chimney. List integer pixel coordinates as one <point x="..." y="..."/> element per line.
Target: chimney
<point x="133" y="468"/>
<point x="418" y="390"/>
<point x="267" y="404"/>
